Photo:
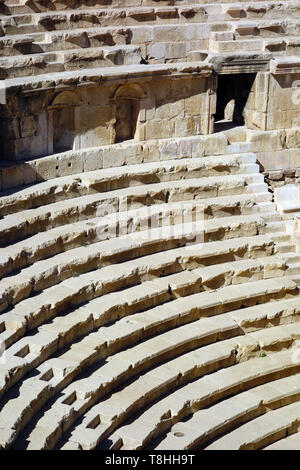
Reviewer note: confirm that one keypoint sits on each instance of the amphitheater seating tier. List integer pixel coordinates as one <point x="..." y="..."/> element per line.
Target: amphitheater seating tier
<point x="145" y="303"/>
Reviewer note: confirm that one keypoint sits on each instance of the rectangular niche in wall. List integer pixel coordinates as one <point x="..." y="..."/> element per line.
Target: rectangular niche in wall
<point x="63" y="129"/>
<point x="61" y="121"/>
<point x="127" y="104"/>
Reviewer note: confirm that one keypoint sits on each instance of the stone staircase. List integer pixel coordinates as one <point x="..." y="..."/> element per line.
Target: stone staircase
<point x="149" y="291"/>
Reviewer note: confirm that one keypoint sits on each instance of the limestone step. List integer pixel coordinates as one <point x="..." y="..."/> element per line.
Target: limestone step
<point x="147" y="296"/>
<point x="296" y="278"/>
<point x="62" y="238"/>
<point x="23" y="23"/>
<point x="25" y="172"/>
<point x="62" y="165"/>
<point x="276" y="312"/>
<point x="39" y="63"/>
<point x="277" y="226"/>
<point x="94" y="347"/>
<point x="289" y="206"/>
<point x="289" y="215"/>
<point x="226" y="62"/>
<point x="293" y="268"/>
<point x="288" y="44"/>
<point x="110" y="179"/>
<point x="163" y="41"/>
<point x="290" y="257"/>
<point x="27" y="223"/>
<point x="261" y="28"/>
<point x="60" y="6"/>
<point x="212" y="421"/>
<point x="32" y="312"/>
<point x="139" y="393"/>
<point x="95" y="384"/>
<point x="291" y="442"/>
<point x="281" y="237"/>
<point x="261" y="431"/>
<point x="285" y="247"/>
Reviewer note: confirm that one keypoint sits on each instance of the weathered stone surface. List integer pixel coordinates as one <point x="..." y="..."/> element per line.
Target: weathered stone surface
<point x="149" y="278"/>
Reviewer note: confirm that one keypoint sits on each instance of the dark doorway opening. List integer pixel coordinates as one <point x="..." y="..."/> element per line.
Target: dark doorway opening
<point x="232" y="95"/>
<point x="126" y="120"/>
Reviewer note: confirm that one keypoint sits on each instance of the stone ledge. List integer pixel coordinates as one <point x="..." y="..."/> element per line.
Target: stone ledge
<point x="283" y="65"/>
<point x="93" y="76"/>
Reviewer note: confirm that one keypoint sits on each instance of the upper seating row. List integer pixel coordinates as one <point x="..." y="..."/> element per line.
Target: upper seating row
<point x="28" y="6"/>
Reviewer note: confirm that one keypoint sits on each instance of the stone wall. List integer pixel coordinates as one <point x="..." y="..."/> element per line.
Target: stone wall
<point x="45" y="122"/>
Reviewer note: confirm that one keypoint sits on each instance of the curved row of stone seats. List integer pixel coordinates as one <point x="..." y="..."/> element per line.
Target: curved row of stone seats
<point x="130" y="16"/>
<point x="160" y="43"/>
<point x="60" y="58"/>
<point x="56" y="373"/>
<point x="63" y="61"/>
<point x="255" y="406"/>
<point x="22" y="353"/>
<point x="68" y="327"/>
<point x="84" y="189"/>
<point x="157" y="42"/>
<point x="105" y="36"/>
<point x="113" y="277"/>
<point x="290" y="442"/>
<point x="162" y="422"/>
<point x="271" y="35"/>
<point x="73" y="235"/>
<point x="263" y="25"/>
<point x="95" y="324"/>
<point x="13" y="175"/>
<point x="258" y="29"/>
<point x="48" y="272"/>
<point x="87" y="18"/>
<point x="168" y="370"/>
<point x="288" y="44"/>
<point x="262" y="431"/>
<point x="210" y="172"/>
<point x="55" y="243"/>
<point x="30" y="351"/>
<point x="35" y="6"/>
<point x="265" y="28"/>
<point x="146" y="35"/>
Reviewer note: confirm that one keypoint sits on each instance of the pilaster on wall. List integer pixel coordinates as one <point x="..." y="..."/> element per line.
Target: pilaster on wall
<point x="283" y="103"/>
<point x="272" y="104"/>
<point x="256" y="109"/>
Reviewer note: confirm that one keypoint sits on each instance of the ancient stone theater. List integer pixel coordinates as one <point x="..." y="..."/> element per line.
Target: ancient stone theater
<point x="149" y="224"/>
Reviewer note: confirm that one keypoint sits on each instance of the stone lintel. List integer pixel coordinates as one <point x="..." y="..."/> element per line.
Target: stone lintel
<point x="231" y="63"/>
